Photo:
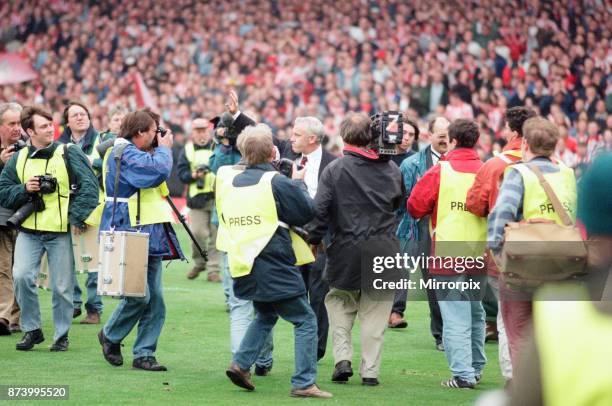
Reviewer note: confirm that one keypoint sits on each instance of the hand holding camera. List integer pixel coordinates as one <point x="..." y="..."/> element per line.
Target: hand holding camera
<point x="164" y="137"/>
<point x="8" y="152"/>
<point x="32" y="185"/>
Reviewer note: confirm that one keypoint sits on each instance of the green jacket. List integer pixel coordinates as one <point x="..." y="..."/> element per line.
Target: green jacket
<point x="13" y="194"/>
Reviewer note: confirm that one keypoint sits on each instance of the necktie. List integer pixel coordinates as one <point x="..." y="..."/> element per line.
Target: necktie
<point x="303" y="160"/>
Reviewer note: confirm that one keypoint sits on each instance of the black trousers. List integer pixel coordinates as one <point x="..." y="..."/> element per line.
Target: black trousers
<point x="317" y="287"/>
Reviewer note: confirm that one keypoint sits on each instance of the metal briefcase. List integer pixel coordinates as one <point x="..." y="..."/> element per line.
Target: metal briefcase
<point x="122" y="269"/>
<point x="86" y="249"/>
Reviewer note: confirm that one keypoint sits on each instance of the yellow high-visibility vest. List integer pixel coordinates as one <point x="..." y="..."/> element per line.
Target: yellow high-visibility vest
<point x="536" y="203"/>
<point x="55" y="216"/>
<point x="154" y="208"/>
<point x="573" y="340"/>
<point x="196" y="158"/>
<point x="246" y="229"/>
<point x="454" y="223"/>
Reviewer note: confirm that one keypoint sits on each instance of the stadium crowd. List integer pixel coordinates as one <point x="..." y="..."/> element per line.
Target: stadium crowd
<point x="289" y="58"/>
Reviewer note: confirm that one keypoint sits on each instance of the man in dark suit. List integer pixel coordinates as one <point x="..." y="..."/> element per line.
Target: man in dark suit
<point x="306" y="138"/>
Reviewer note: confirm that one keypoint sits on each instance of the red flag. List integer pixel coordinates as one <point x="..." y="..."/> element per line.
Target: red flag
<point x="144" y="98"/>
<point x="15" y="69"/>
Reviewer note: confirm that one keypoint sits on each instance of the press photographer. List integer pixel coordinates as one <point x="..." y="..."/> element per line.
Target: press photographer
<point x="11" y="141"/>
<point x="263" y="256"/>
<point x="194" y="171"/>
<point x="51" y="186"/>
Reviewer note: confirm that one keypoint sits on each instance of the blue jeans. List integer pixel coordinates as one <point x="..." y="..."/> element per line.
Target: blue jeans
<point x="148" y="312"/>
<point x="94" y="302"/>
<point x="241" y="316"/>
<point x="29" y="250"/>
<point x="298" y="312"/>
<point x="463" y="331"/>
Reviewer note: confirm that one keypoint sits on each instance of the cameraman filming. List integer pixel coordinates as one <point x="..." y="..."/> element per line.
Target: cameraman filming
<point x="357" y="197"/>
<point x="51" y="186"/>
<point x="193" y="170"/>
<point x="10" y="142"/>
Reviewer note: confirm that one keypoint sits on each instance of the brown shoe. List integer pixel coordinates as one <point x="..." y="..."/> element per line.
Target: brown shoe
<point x="397" y="321"/>
<point x="491" y="332"/>
<point x="15" y="328"/>
<point x="312" y="391"/>
<point x="194" y="273"/>
<point x="213" y="277"/>
<point x="92" y="318"/>
<point x="240" y="377"/>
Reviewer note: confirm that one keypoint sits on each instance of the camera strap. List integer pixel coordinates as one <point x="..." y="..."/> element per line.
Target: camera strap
<point x="117" y="153"/>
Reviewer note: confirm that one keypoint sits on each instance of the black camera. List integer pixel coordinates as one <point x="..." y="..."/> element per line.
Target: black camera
<point x="162" y="132"/>
<point x="201" y="169"/>
<point x="18" y="145"/>
<point x="35" y="204"/>
<point x="47" y="183"/>
<point x="285" y="166"/>
<point x="383" y="138"/>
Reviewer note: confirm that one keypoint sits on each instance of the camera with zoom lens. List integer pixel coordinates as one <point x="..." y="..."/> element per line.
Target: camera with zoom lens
<point x="47" y="184"/>
<point x="201" y="169"/>
<point x="384" y="139"/>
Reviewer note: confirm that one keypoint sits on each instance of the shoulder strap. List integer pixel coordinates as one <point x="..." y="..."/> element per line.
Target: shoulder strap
<point x="71" y="176"/>
<point x="117" y="153"/>
<point x="565" y="218"/>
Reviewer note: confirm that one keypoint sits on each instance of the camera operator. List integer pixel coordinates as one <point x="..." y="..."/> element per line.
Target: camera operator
<point x="10" y="142"/>
<point x="262" y="257"/>
<point x="144" y="169"/>
<point x="37" y="182"/>
<point x="193" y="170"/>
<point x="357" y="197"/>
<point x="80" y="132"/>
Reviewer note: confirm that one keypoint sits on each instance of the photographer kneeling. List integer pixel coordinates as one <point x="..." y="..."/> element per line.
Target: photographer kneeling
<point x="261" y="259"/>
<point x="51" y="186"/>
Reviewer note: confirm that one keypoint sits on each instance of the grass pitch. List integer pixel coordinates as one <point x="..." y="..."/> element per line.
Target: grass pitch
<point x="194" y="345"/>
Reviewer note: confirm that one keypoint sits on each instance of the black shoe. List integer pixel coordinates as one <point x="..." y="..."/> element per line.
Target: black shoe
<point x="4" y="328"/>
<point x="440" y="346"/>
<point x="262" y="371"/>
<point x="370" y="381"/>
<point x="29" y="339"/>
<point x="111" y="351"/>
<point x="61" y="344"/>
<point x="76" y="312"/>
<point x="148" y="364"/>
<point x="342" y="372"/>
<point x="457" y="383"/>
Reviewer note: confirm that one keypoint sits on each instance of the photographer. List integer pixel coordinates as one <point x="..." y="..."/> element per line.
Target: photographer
<point x="80" y="131"/>
<point x="37" y="182"/>
<point x="262" y="259"/>
<point x="357" y="197"/>
<point x="193" y="170"/>
<point x="10" y="142"/>
<point x="144" y="169"/>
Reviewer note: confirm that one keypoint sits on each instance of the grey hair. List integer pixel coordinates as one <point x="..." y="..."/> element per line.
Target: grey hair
<point x="118" y="109"/>
<point x="4" y="107"/>
<point x="313" y="125"/>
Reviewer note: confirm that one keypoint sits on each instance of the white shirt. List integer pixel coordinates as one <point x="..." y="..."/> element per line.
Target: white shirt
<point x="435" y="156"/>
<point x="311" y="178"/>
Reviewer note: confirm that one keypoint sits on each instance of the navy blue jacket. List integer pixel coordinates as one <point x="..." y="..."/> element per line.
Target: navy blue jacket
<point x="274" y="275"/>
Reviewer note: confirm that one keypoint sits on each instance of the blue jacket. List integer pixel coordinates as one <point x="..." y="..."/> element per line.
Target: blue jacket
<point x="274" y="276"/>
<point x="412" y="168"/>
<point x="223" y="155"/>
<point x="140" y="170"/>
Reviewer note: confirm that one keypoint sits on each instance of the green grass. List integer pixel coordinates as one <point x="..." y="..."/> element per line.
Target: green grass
<point x="194" y="345"/>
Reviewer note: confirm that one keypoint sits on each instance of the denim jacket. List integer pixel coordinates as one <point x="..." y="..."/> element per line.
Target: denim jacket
<point x="412" y="169"/>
